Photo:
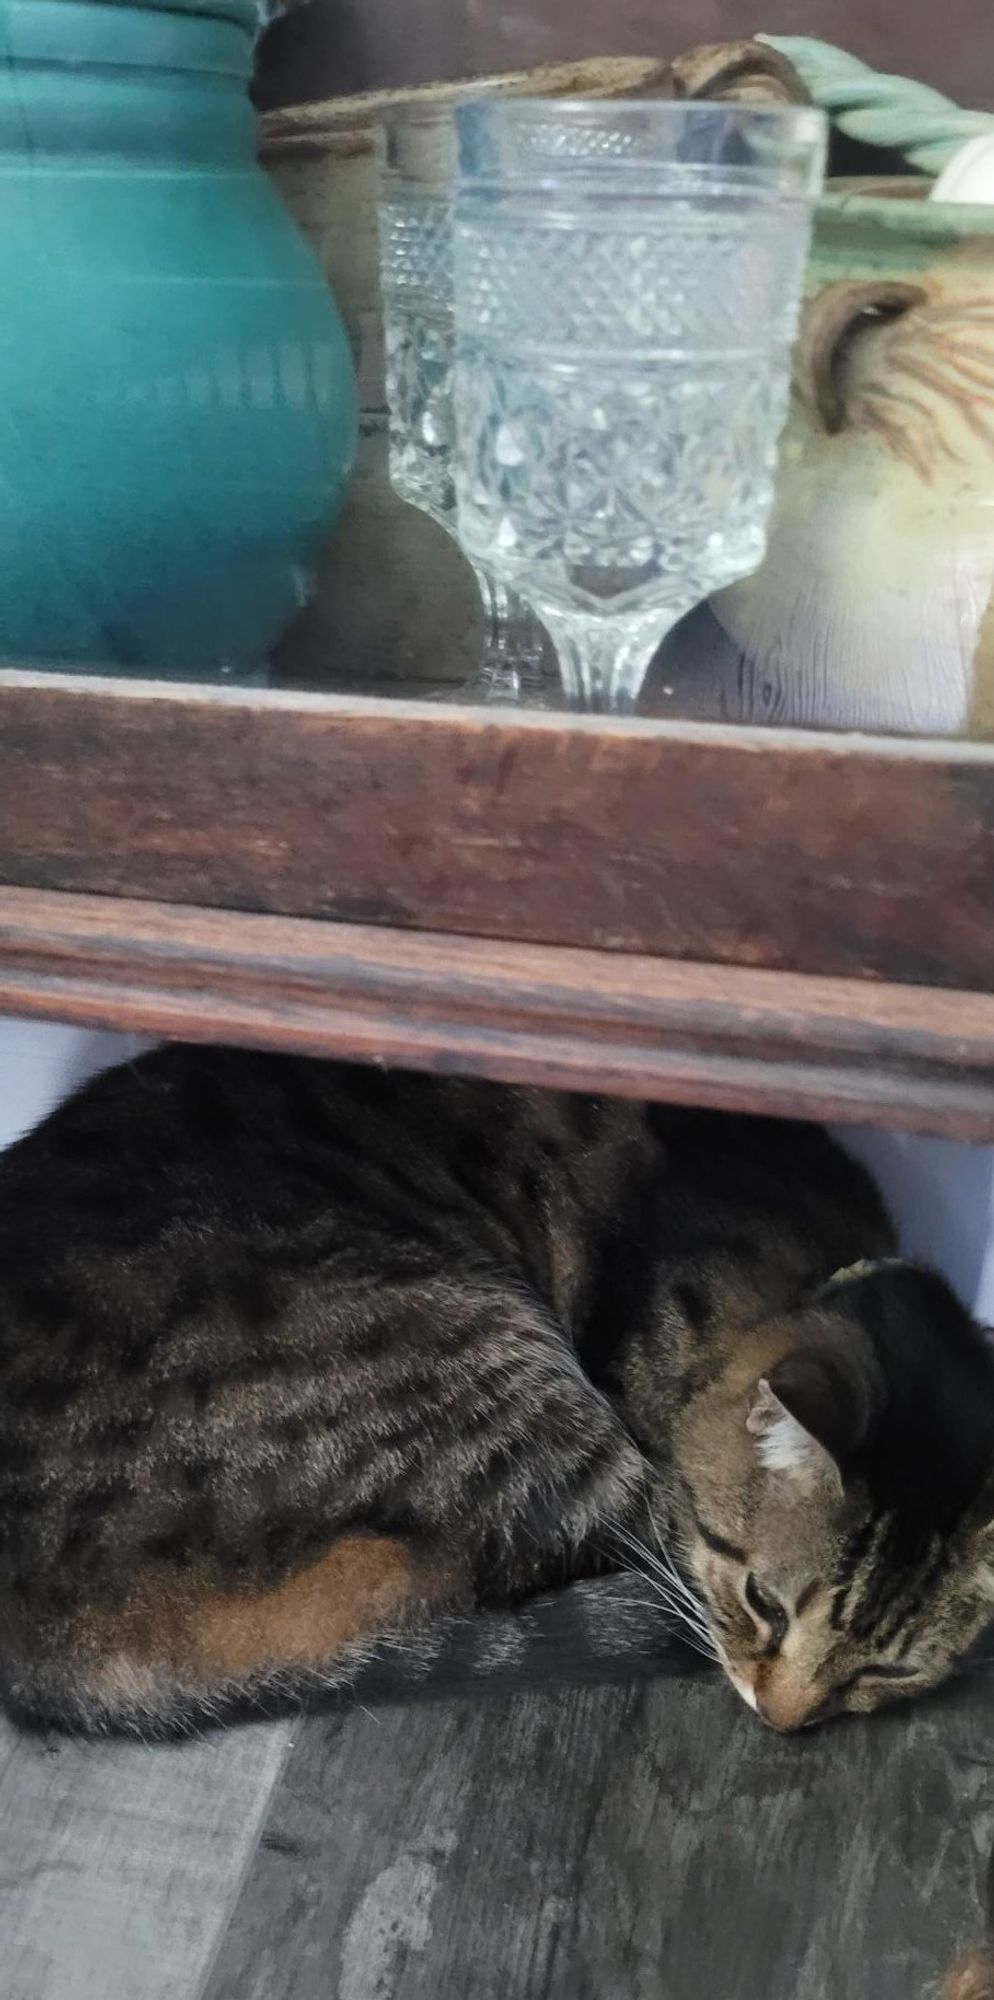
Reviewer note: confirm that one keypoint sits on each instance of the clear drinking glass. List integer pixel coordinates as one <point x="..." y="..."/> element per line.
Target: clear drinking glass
<point x="417" y="167"/>
<point x="627" y="283"/>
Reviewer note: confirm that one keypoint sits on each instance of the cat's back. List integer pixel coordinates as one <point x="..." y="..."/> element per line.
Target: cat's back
<point x="213" y="1144"/>
<point x="227" y="1144"/>
<point x="239" y="1292"/>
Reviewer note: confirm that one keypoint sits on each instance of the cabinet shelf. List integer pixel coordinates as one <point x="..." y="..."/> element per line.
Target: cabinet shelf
<point x="741" y="917"/>
<point x="622" y="1023"/>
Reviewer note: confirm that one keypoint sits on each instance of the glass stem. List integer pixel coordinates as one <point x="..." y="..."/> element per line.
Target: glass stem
<point x="495" y="612"/>
<point x="604" y="661"/>
<point x="512" y="666"/>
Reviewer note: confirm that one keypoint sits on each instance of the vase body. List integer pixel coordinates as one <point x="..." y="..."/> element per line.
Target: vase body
<point x="177" y="401"/>
<point x="874" y="607"/>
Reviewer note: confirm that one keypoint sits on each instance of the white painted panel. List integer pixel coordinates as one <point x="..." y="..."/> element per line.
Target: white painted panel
<point x="42" y="1061"/>
<point x="941" y="1196"/>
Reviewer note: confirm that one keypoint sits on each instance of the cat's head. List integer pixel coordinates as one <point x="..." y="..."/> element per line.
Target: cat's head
<point x="838" y="1509"/>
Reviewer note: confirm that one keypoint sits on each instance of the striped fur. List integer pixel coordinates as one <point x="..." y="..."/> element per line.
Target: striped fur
<point x="316" y="1378"/>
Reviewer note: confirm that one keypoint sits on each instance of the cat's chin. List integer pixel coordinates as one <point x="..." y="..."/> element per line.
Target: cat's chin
<point x="742" y="1687"/>
<point x="748" y="1694"/>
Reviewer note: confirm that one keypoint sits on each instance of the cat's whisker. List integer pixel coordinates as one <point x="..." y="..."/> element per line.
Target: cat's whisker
<point x="697" y="1645"/>
<point x="690" y="1611"/>
<point x="670" y="1568"/>
<point x="692" y="1636"/>
<point x="688" y="1616"/>
<point x="697" y="1635"/>
<point x="682" y="1589"/>
<point x="638" y="1548"/>
<point x="647" y="1555"/>
<point x="691" y="1627"/>
<point x="676" y="1575"/>
<point x="654" y="1525"/>
<point x="664" y="1573"/>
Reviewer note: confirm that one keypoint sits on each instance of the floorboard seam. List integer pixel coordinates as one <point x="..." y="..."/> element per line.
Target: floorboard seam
<point x="234" y="1897"/>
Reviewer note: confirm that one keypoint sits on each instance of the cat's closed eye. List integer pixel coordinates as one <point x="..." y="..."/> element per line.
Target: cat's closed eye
<point x="767" y="1609"/>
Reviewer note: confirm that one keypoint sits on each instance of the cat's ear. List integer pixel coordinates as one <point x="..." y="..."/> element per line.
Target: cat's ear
<point x="981" y="1517"/>
<point x="980" y="1546"/>
<point x="811" y="1413"/>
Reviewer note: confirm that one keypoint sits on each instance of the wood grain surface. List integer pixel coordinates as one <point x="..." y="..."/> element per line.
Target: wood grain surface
<point x="649" y="1843"/>
<point x="617" y="1022"/>
<point x="119" y="1864"/>
<point x="834" y="855"/>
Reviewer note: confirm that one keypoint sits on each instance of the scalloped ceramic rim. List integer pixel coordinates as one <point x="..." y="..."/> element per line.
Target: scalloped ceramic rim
<point x="921" y="221"/>
<point x="347" y="123"/>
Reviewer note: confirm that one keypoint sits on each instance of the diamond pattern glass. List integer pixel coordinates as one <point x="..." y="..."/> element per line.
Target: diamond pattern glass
<point x="627" y="282"/>
<point x="415" y="217"/>
<point x="416" y="240"/>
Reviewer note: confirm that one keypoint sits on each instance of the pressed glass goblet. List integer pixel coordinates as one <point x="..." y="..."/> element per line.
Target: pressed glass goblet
<point x="417" y="164"/>
<point x="627" y="282"/>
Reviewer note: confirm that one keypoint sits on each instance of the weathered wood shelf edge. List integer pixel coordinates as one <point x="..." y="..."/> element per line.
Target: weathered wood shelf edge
<point x="552" y="1015"/>
<point x="843" y="856"/>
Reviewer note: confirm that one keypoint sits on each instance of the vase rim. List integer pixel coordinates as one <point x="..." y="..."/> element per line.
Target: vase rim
<point x="80" y="36"/>
<point x="906" y="220"/>
<point x="227" y="10"/>
<point x="248" y="14"/>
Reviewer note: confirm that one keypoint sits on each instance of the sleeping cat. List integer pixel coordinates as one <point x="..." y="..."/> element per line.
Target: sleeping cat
<point x="314" y="1376"/>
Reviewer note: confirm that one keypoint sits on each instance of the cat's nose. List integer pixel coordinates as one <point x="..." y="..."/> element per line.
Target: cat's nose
<point x="788" y="1708"/>
<point x="778" y="1703"/>
<point x="769" y="1712"/>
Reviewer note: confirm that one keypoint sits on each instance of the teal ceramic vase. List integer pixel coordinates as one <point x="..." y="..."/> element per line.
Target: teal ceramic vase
<point x="177" y="404"/>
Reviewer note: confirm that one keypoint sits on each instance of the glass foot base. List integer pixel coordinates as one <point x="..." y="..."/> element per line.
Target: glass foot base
<point x="507" y="683"/>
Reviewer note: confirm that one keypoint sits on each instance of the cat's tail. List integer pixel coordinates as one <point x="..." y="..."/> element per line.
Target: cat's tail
<point x="160" y="1676"/>
<point x="606" y="1629"/>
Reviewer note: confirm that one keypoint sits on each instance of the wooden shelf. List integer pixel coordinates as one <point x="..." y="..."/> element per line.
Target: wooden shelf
<point x="606" y="1021"/>
<point x="797" y="923"/>
<point x="847" y="856"/>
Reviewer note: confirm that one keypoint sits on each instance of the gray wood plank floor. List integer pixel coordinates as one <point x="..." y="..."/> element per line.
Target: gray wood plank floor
<point x="119" y="1865"/>
<point x="652" y="1842"/>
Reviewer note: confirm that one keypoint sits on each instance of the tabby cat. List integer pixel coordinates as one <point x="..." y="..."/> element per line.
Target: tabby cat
<point x="314" y="1376"/>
